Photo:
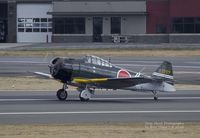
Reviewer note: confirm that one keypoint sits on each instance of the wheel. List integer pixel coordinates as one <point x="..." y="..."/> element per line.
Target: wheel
<point x="155" y="98"/>
<point x="84" y="100"/>
<point x="85" y="95"/>
<point x="62" y="94"/>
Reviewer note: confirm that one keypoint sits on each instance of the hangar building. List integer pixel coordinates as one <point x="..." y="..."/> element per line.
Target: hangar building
<point x="173" y="16"/>
<point x="25" y="20"/>
<point x="95" y="20"/>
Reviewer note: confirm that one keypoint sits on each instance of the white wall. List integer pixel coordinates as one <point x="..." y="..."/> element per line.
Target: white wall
<point x="106" y="25"/>
<point x="88" y="25"/>
<point x="133" y="25"/>
<point x="33" y="11"/>
<point x="99" y="6"/>
<point x="130" y="25"/>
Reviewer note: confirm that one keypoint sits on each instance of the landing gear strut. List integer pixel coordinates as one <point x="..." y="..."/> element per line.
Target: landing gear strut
<point x="155" y="95"/>
<point x="62" y="93"/>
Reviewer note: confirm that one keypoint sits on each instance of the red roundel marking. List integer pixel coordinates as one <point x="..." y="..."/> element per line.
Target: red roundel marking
<point x="123" y="74"/>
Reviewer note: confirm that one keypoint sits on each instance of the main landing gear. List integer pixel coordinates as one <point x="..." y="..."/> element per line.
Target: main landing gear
<point x="155" y="95"/>
<point x="62" y="93"/>
<point x="85" y="93"/>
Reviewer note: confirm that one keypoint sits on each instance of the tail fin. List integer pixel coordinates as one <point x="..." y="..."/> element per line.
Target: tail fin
<point x="164" y="72"/>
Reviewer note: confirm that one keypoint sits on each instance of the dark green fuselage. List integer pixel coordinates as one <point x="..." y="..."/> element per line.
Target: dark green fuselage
<point x="87" y="67"/>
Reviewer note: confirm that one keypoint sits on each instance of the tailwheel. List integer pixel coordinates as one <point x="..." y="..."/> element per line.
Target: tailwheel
<point x="62" y="94"/>
<point x="155" y="95"/>
<point x="85" y="95"/>
<point x="155" y="98"/>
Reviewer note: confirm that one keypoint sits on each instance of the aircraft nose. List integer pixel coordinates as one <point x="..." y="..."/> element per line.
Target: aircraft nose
<point x="61" y="68"/>
<point x="55" y="66"/>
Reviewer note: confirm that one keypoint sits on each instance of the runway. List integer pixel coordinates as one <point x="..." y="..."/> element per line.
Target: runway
<point x="32" y="107"/>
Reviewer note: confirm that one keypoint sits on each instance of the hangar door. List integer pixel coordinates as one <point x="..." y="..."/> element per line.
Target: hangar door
<point x="33" y="23"/>
<point x="3" y="22"/>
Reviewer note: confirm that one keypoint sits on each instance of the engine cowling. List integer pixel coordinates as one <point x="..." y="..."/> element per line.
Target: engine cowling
<point x="60" y="70"/>
<point x="55" y="66"/>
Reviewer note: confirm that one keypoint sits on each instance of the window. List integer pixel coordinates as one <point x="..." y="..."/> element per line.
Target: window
<point x="197" y="28"/>
<point x="70" y="25"/>
<point x="160" y="28"/>
<point x="88" y="59"/>
<point x="36" y="20"/>
<point x="36" y="30"/>
<point x="43" y="29"/>
<point x="94" y="60"/>
<point x="34" y="24"/>
<point x="189" y="20"/>
<point x="97" y="61"/>
<point x="49" y="19"/>
<point x="49" y="24"/>
<point x="189" y="28"/>
<point x="50" y="30"/>
<point x="20" y="29"/>
<point x="186" y="25"/>
<point x="178" y="28"/>
<point x="20" y="24"/>
<point x="43" y="24"/>
<point x="115" y="25"/>
<point x="20" y="19"/>
<point x="28" y="24"/>
<point x="43" y="19"/>
<point x="28" y="20"/>
<point x="28" y="29"/>
<point x="59" y="26"/>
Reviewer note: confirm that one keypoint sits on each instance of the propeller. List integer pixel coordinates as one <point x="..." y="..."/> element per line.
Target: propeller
<point x="55" y="65"/>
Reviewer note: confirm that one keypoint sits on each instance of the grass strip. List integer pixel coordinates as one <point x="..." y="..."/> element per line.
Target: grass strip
<point x="106" y="130"/>
<point x="32" y="83"/>
<point x="104" y="52"/>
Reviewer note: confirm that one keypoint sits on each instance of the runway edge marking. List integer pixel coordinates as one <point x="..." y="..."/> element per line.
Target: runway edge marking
<point x="99" y="112"/>
<point x="138" y="98"/>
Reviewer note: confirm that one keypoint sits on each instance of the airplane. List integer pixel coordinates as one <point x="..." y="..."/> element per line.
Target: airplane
<point x="91" y="72"/>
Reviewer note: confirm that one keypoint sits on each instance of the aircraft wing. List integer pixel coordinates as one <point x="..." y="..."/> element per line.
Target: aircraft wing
<point x="43" y="75"/>
<point x="114" y="83"/>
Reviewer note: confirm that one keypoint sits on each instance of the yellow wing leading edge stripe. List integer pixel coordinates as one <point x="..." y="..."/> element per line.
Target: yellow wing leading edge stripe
<point x="82" y="80"/>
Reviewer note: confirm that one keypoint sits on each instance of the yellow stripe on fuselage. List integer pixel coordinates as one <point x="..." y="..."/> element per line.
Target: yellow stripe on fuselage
<point x="82" y="80"/>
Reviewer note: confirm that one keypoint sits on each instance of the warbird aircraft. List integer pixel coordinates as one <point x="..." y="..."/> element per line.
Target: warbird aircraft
<point x="92" y="72"/>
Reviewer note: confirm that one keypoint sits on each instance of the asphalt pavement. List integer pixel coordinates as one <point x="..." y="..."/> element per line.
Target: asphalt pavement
<point x="32" y="107"/>
<point x="29" y="107"/>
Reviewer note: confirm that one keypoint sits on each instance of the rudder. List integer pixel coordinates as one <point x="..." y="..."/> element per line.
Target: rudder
<point x="164" y="71"/>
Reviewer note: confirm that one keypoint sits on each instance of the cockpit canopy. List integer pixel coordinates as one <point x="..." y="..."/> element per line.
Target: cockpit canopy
<point x="97" y="61"/>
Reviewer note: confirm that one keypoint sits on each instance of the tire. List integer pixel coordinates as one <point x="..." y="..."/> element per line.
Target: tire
<point x="155" y="98"/>
<point x="62" y="94"/>
<point x="83" y="99"/>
